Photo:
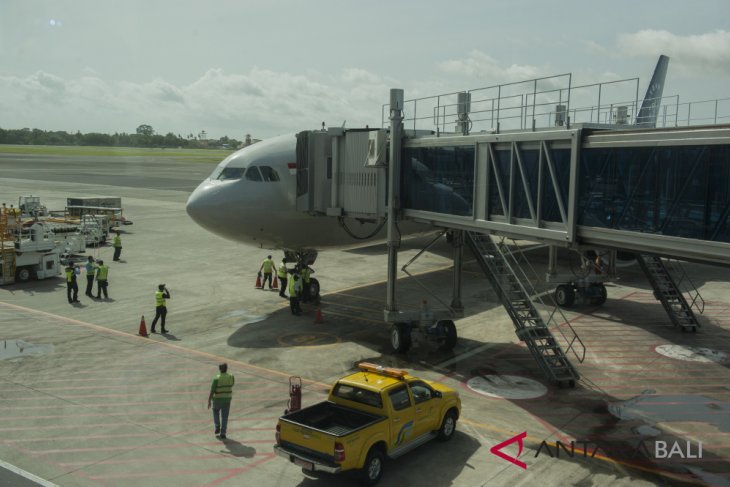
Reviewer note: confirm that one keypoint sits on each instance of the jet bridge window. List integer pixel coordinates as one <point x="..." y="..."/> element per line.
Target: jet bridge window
<point x="253" y="174"/>
<point x="230" y="173"/>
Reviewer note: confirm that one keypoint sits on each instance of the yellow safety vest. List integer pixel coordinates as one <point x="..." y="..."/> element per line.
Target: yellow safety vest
<point x="224" y="387"/>
<point x="282" y="271"/>
<point x="117" y="241"/>
<point x="101" y="272"/>
<point x="305" y="274"/>
<point x="69" y="274"/>
<point x="268" y="266"/>
<point x="160" y="299"/>
<point x="294" y="287"/>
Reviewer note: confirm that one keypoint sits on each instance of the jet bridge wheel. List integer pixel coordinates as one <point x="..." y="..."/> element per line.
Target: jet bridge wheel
<point x="602" y="294"/>
<point x="400" y="337"/>
<point x="564" y="295"/>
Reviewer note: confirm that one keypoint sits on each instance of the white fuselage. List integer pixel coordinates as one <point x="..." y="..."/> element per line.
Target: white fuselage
<point x="251" y="197"/>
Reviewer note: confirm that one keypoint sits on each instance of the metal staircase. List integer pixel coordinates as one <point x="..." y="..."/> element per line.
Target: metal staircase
<point x="503" y="271"/>
<point x="669" y="293"/>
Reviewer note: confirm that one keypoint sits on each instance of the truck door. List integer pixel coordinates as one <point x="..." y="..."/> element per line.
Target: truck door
<point x="402" y="420"/>
<point x="426" y="411"/>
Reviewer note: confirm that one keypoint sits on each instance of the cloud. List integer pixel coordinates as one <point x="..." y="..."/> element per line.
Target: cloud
<point x="484" y="67"/>
<point x="707" y="53"/>
<point x="261" y="102"/>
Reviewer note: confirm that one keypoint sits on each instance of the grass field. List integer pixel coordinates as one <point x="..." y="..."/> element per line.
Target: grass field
<point x="198" y="155"/>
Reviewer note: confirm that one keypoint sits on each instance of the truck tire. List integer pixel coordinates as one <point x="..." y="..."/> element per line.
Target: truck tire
<point x="450" y="332"/>
<point x="23" y="274"/>
<point x="372" y="471"/>
<point x="448" y="426"/>
<point x="400" y="337"/>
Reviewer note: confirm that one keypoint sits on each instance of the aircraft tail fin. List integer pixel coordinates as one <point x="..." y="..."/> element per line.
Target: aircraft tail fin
<point x="649" y="111"/>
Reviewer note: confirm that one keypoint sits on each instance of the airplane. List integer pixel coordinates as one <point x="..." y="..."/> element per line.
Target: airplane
<point x="251" y="196"/>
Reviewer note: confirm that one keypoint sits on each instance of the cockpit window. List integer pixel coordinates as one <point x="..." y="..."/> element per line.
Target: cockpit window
<point x="231" y="173"/>
<point x="269" y="173"/>
<point x="253" y="174"/>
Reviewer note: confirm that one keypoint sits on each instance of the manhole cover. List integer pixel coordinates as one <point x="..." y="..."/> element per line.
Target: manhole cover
<point x="506" y="386"/>
<point x="692" y="354"/>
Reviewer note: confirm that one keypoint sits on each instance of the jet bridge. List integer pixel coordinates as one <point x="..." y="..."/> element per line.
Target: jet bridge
<point x="655" y="192"/>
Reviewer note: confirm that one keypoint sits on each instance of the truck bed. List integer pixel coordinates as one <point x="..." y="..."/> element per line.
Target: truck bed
<point x="331" y="418"/>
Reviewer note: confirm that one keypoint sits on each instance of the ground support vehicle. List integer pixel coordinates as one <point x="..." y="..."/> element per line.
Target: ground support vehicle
<point x="35" y="254"/>
<point x="368" y="417"/>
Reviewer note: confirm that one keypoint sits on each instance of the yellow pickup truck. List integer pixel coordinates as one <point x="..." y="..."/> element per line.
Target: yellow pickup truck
<point x="371" y="415"/>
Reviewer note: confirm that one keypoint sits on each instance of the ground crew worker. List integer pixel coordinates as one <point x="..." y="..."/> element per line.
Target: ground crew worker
<point x="160" y="307"/>
<point x="72" y="288"/>
<point x="306" y="284"/>
<point x="117" y="243"/>
<point x="295" y="290"/>
<point x="90" y="267"/>
<point x="268" y="267"/>
<point x="221" y="393"/>
<point x="281" y="274"/>
<point x="102" y="273"/>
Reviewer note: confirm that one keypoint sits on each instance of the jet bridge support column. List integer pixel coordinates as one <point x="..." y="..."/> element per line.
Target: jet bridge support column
<point x="458" y="243"/>
<point x="396" y="131"/>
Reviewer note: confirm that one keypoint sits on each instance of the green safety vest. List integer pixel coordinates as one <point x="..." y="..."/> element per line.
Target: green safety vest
<point x="101" y="272"/>
<point x="224" y="386"/>
<point x="294" y="287"/>
<point x="282" y="271"/>
<point x="160" y="299"/>
<point x="117" y="241"/>
<point x="268" y="266"/>
<point x="69" y="274"/>
<point x="305" y="274"/>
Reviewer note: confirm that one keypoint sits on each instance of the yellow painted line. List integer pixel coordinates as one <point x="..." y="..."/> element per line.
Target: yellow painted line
<point x="536" y="442"/>
<point x="147" y="341"/>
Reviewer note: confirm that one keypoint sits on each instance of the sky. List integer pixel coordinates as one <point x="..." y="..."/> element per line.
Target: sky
<point x="269" y="67"/>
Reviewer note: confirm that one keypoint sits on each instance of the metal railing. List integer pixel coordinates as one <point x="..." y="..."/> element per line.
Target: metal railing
<point x="550" y="102"/>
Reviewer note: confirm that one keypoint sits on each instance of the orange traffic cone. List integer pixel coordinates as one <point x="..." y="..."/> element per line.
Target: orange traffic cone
<point x="318" y="318"/>
<point x="143" y="328"/>
<point x="258" y="280"/>
<point x="276" y="283"/>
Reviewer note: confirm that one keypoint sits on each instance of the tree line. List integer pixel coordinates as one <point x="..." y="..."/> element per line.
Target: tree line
<point x="145" y="136"/>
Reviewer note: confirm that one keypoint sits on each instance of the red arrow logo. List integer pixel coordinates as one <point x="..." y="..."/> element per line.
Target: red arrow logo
<point x="496" y="450"/>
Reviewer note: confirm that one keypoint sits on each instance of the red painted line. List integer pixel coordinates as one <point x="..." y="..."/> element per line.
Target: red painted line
<point x="156" y="392"/>
<point x="233" y="417"/>
<point x="141" y="447"/>
<point x="158" y="459"/>
<point x="241" y="470"/>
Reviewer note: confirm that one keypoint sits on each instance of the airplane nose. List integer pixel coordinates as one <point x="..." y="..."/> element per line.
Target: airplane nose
<point x="209" y="207"/>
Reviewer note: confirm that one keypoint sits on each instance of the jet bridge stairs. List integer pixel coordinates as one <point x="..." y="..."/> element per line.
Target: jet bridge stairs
<point x="511" y="285"/>
<point x="669" y="293"/>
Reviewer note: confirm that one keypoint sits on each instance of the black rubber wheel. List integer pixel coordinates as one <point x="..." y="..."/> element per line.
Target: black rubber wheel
<point x="603" y="295"/>
<point x="372" y="471"/>
<point x="450" y="332"/>
<point x="400" y="337"/>
<point x="564" y="295"/>
<point x="23" y="274"/>
<point x="314" y="291"/>
<point x="448" y="426"/>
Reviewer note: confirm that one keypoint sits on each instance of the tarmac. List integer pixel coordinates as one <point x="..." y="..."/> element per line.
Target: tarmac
<point x="86" y="401"/>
